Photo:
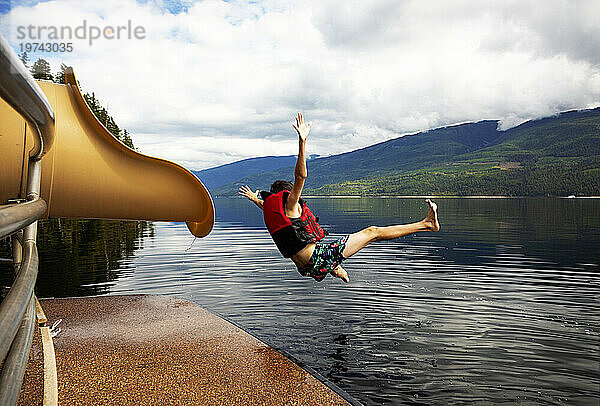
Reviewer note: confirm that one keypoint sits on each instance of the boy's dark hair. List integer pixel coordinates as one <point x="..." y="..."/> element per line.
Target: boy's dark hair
<point x="280" y="185"/>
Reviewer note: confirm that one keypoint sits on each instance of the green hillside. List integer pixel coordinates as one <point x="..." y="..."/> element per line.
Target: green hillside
<point x="553" y="156"/>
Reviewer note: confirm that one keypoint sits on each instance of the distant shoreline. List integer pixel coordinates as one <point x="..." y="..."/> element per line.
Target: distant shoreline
<point x="444" y="197"/>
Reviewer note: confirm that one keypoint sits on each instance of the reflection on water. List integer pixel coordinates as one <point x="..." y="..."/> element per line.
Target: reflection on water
<point x="83" y="257"/>
<point x="502" y="305"/>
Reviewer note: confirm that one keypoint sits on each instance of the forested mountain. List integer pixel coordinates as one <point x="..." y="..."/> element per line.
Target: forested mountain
<point x="557" y="155"/>
<point x="222" y="175"/>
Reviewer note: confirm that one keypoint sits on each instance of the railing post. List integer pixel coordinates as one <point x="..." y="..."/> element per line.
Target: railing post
<point x="34" y="176"/>
<point x="17" y="251"/>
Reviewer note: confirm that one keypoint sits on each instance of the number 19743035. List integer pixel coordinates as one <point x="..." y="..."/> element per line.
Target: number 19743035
<point x="46" y="46"/>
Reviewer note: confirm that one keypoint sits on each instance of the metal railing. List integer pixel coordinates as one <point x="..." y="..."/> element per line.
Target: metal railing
<point x="19" y="220"/>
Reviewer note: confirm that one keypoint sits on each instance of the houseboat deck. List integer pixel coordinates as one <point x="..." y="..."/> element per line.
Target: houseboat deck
<point x="146" y="349"/>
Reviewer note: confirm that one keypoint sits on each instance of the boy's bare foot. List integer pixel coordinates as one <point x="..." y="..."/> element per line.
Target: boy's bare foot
<point x="339" y="272"/>
<point x="431" y="221"/>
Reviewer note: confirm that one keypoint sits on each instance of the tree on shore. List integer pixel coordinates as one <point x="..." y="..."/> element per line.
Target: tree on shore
<point x="24" y="58"/>
<point x="60" y="75"/>
<point x="41" y="70"/>
<point x="102" y="114"/>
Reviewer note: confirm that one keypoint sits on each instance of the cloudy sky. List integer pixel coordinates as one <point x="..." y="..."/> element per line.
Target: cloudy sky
<point x="213" y="81"/>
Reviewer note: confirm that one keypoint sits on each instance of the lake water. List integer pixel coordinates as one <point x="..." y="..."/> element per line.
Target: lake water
<point x="502" y="305"/>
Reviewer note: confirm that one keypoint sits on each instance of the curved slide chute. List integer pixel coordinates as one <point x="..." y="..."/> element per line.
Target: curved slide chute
<point x="88" y="173"/>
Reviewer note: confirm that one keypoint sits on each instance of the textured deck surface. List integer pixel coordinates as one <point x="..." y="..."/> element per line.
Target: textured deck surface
<point x="134" y="350"/>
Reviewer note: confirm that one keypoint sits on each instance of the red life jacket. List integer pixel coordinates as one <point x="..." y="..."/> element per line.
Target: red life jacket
<point x="290" y="234"/>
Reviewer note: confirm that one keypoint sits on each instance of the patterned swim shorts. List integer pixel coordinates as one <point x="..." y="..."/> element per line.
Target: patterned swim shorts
<point x="325" y="258"/>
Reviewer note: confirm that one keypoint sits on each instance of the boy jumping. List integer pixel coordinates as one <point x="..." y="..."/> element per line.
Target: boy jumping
<point x="296" y="230"/>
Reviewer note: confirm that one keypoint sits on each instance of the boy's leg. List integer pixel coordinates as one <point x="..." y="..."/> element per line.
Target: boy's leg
<point x="361" y="239"/>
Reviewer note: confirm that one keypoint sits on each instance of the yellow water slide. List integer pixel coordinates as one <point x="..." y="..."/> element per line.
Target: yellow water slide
<point x="88" y="173"/>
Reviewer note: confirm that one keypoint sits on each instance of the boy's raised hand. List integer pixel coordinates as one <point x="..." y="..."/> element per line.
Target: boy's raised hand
<point x="247" y="193"/>
<point x="301" y="127"/>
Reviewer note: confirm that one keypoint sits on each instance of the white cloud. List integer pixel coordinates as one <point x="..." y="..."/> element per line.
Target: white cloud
<point x="220" y="81"/>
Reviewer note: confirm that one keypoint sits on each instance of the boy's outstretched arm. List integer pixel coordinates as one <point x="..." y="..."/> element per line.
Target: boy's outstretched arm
<point x="300" y="172"/>
<point x="250" y="195"/>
